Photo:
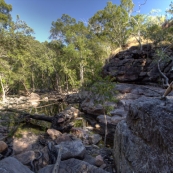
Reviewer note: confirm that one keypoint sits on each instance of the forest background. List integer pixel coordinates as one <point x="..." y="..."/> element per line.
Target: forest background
<point x="77" y="50"/>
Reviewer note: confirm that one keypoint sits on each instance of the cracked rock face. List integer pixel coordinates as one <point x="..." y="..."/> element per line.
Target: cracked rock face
<point x="137" y="66"/>
<point x="143" y="142"/>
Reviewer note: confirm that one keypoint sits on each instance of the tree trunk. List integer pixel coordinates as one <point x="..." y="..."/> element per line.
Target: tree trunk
<point x="106" y="129"/>
<point x="139" y="40"/>
<point x="3" y="90"/>
<point x="66" y="82"/>
<point x="164" y="77"/>
<point x="25" y="87"/>
<point x="81" y="73"/>
<point x="33" y="85"/>
<point x="57" y="81"/>
<point x="39" y="117"/>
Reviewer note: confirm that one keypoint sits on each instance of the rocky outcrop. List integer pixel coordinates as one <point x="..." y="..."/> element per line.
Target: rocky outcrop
<point x="39" y="152"/>
<point x="73" y="165"/>
<point x="12" y="165"/>
<point x="143" y="142"/>
<point x="135" y="66"/>
<point x="126" y="95"/>
<point x="63" y="120"/>
<point x="73" y="149"/>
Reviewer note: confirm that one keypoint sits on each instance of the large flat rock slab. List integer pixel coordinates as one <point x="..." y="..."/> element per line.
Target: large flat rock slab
<point x="12" y="165"/>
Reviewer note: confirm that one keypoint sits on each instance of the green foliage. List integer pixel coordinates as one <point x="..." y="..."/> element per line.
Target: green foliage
<point x="5" y="17"/>
<point x="170" y="10"/>
<point x="60" y="27"/>
<point x="154" y="30"/>
<point x="111" y="24"/>
<point x="78" y="123"/>
<point x="102" y="91"/>
<point x="77" y="51"/>
<point x="127" y="5"/>
<point x="161" y="54"/>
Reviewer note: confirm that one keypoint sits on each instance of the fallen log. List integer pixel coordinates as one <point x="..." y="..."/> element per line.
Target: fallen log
<point x="33" y="116"/>
<point x="39" y="117"/>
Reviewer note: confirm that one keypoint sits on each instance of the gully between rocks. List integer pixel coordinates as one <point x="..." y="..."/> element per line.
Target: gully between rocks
<point x="34" y="144"/>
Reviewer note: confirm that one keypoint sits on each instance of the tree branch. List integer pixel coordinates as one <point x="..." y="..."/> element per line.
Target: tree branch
<point x="165" y="78"/>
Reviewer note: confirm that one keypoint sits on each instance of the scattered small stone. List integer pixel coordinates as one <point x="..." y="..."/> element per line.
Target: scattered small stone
<point x="99" y="160"/>
<point x="54" y="134"/>
<point x="3" y="146"/>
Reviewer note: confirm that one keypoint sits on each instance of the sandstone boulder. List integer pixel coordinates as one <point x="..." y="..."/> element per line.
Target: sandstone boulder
<point x="54" y="134"/>
<point x="3" y="146"/>
<point x="72" y="149"/>
<point x="25" y="157"/>
<point x="135" y="66"/>
<point x="143" y="142"/>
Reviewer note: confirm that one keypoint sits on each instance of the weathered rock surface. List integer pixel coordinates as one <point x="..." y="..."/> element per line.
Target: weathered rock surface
<point x="138" y="66"/>
<point x="12" y="165"/>
<point x="73" y="165"/>
<point x="72" y="149"/>
<point x="94" y="139"/>
<point x="63" y="120"/>
<point x="86" y="136"/>
<point x="143" y="143"/>
<point x="26" y="157"/>
<point x="127" y="94"/>
<point x="54" y="134"/>
<point x="25" y="143"/>
<point x="3" y="146"/>
<point x="99" y="160"/>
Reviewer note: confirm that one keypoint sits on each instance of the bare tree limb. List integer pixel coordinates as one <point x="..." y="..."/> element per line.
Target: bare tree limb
<point x="34" y="116"/>
<point x="161" y="73"/>
<point x="56" y="166"/>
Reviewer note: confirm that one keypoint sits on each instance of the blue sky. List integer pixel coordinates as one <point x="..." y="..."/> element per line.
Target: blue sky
<point x="39" y="14"/>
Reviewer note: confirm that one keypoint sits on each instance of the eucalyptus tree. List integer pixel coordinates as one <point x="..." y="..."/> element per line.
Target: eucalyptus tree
<point x="5" y="16"/>
<point x="15" y="41"/>
<point x="79" y="38"/>
<point x="41" y="66"/>
<point x="59" y="73"/>
<point x="59" y="30"/>
<point x="168" y="25"/>
<point x="75" y="37"/>
<point x="4" y="72"/>
<point x="154" y="30"/>
<point x="137" y="25"/>
<point x="112" y="23"/>
<point x="170" y="10"/>
<point x="5" y="19"/>
<point x="159" y="31"/>
<point x="60" y="27"/>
